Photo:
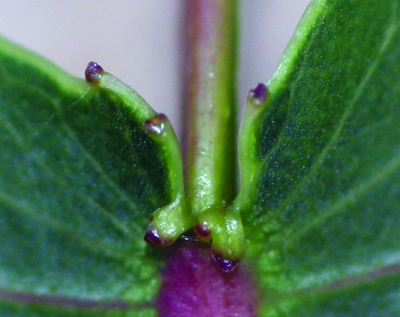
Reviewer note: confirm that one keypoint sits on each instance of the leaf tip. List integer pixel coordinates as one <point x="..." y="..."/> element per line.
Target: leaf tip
<point x="93" y="73"/>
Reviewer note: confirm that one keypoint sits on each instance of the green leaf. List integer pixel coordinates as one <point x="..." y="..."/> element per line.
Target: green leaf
<point x="321" y="211"/>
<point x="80" y="178"/>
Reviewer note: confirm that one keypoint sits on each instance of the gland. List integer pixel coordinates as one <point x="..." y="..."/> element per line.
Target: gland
<point x="153" y="237"/>
<point x="259" y="94"/>
<point x="224" y="228"/>
<point x="203" y="230"/>
<point x="93" y="73"/>
<point x="226" y="265"/>
<point x="157" y="124"/>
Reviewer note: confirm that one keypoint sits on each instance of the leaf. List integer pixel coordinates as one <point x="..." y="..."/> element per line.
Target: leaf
<point x="321" y="212"/>
<point x="80" y="178"/>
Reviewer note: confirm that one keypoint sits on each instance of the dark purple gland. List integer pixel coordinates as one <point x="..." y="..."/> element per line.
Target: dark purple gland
<point x="93" y="73"/>
<point x="156" y="125"/>
<point x="194" y="285"/>
<point x="259" y="94"/>
<point x="202" y="230"/>
<point x="227" y="266"/>
<point x="152" y="236"/>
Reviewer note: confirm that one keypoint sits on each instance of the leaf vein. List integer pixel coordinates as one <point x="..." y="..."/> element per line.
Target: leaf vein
<point x="351" y="196"/>
<point x="335" y="135"/>
<point x="85" y="197"/>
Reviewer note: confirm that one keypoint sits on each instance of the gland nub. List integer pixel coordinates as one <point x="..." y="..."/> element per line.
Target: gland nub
<point x="153" y="237"/>
<point x="259" y="94"/>
<point x="202" y="230"/>
<point x="226" y="265"/>
<point x="156" y="125"/>
<point x="93" y="73"/>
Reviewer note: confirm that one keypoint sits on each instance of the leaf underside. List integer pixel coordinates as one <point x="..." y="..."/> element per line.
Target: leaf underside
<point x="323" y="225"/>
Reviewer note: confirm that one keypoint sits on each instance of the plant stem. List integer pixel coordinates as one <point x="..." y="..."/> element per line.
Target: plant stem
<point x="211" y="114"/>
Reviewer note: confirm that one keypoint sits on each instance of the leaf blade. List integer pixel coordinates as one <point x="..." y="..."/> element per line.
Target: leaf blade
<point x="80" y="181"/>
<point x="324" y="206"/>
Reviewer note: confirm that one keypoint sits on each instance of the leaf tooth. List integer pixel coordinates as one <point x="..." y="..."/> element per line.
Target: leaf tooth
<point x="250" y="162"/>
<point x="168" y="223"/>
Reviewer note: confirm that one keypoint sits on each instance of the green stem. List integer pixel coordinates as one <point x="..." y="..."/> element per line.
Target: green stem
<point x="211" y="114"/>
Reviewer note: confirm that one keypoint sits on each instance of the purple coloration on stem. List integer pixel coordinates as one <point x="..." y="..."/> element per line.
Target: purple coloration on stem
<point x="156" y="125"/>
<point x="226" y="265"/>
<point x="259" y="94"/>
<point x="194" y="286"/>
<point x="93" y="73"/>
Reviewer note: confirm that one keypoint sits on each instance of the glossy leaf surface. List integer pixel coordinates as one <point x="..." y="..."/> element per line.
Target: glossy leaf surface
<point x="323" y="221"/>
